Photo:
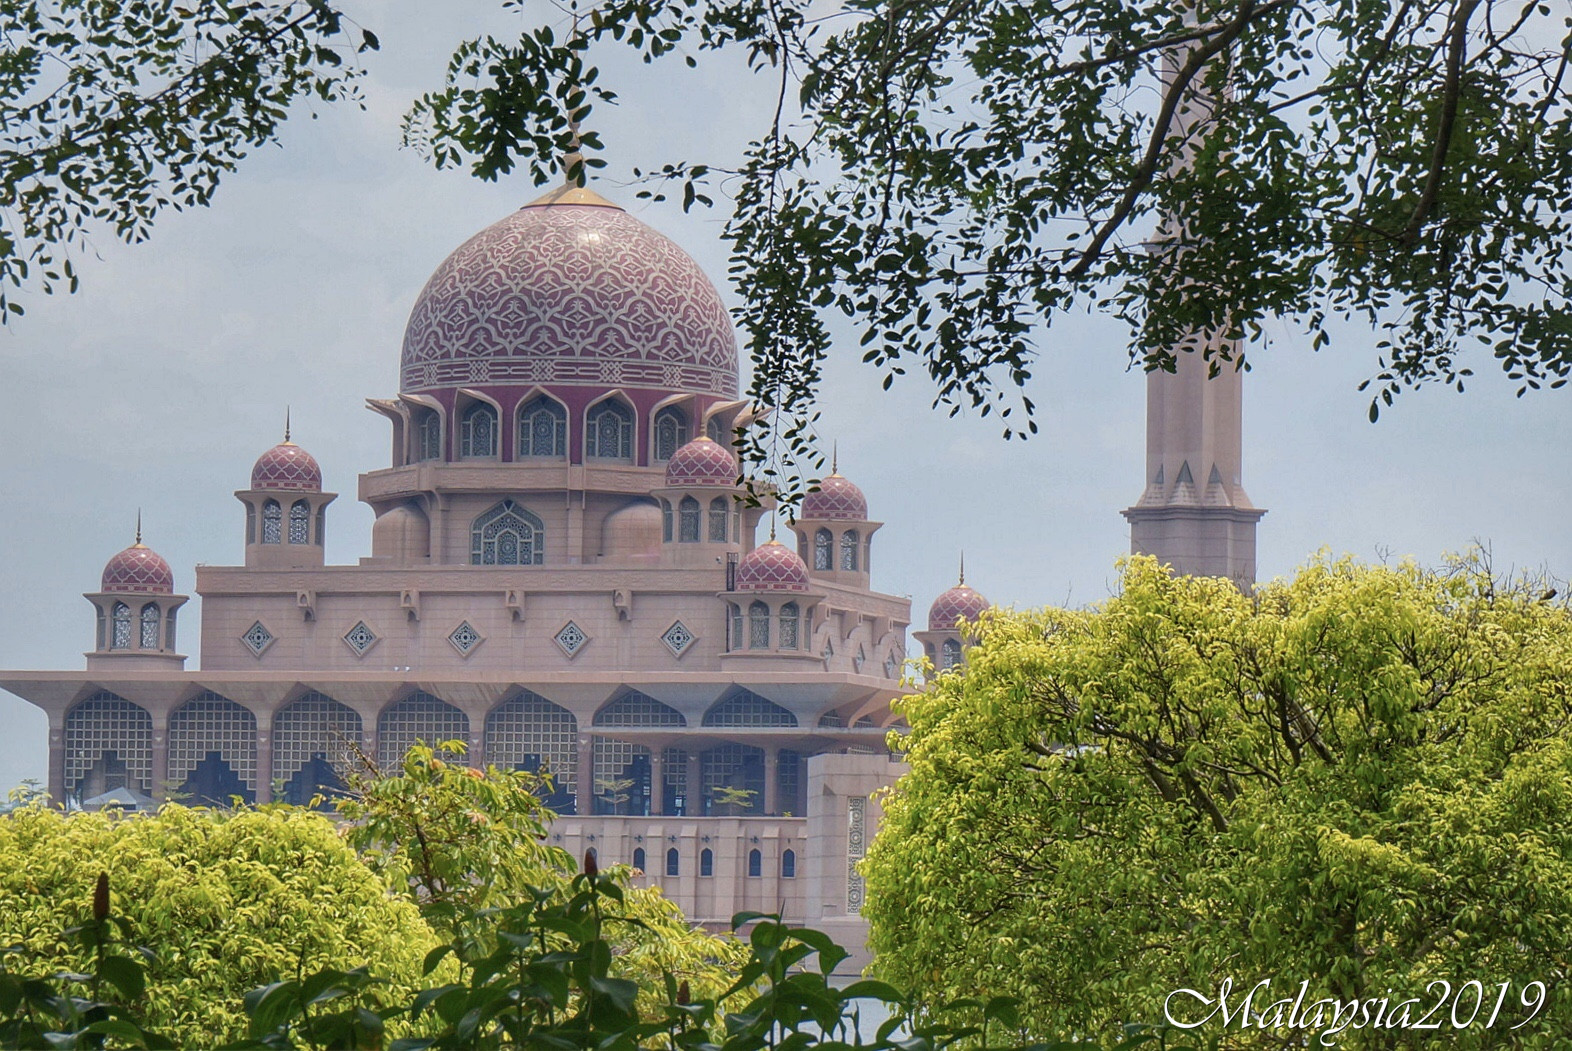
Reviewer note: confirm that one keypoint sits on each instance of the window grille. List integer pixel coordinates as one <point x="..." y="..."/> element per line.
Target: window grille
<point x="108" y="724"/>
<point x="300" y="522"/>
<point x="149" y="618"/>
<point x="121" y="618"/>
<point x="207" y="724"/>
<point x="745" y="708"/>
<point x="507" y="535"/>
<point x="530" y="725"/>
<point x="671" y="432"/>
<point x="478" y="432"/>
<point x="720" y="514"/>
<point x="758" y="626"/>
<point x="543" y="429"/>
<point x="609" y="435"/>
<point x="419" y="717"/>
<point x="688" y="520"/>
<point x="849" y="542"/>
<point x="314" y="725"/>
<point x="272" y="522"/>
<point x="636" y="709"/>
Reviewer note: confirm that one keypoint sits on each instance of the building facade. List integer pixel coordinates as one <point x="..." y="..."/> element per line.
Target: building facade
<point x="563" y="575"/>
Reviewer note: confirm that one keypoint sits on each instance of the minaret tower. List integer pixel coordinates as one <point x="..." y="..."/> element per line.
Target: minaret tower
<point x="1194" y="514"/>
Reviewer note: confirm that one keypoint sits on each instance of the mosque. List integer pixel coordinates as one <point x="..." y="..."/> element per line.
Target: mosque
<point x="565" y="576"/>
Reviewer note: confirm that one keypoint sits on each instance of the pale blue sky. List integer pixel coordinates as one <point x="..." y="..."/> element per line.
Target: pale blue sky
<point x="159" y="383"/>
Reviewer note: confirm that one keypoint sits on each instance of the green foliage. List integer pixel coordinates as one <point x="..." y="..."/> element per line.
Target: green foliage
<point x="1360" y="778"/>
<point x="468" y="845"/>
<point x="956" y="177"/>
<point x="226" y="901"/>
<point x="111" y="113"/>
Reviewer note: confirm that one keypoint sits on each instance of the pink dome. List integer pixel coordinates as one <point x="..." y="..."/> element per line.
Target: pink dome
<point x="138" y="570"/>
<point x="287" y="466"/>
<point x="701" y="462"/>
<point x="571" y="294"/>
<point x="960" y="601"/>
<point x="772" y="567"/>
<point x="835" y="499"/>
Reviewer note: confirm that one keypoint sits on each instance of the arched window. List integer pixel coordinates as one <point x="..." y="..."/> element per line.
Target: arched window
<point x="638" y="858"/>
<point x="736" y="625"/>
<point x="121" y="618"/>
<point x="150" y="626"/>
<point x="428" y="436"/>
<point x="758" y="626"/>
<point x="671" y="432"/>
<point x="478" y="432"/>
<point x="673" y="862"/>
<point x="823" y="550"/>
<point x="789" y="618"/>
<point x="300" y="522"/>
<point x="507" y="535"/>
<point x="952" y="654"/>
<point x="706" y="862"/>
<point x="543" y="428"/>
<point x="716" y="432"/>
<point x="665" y="521"/>
<point x="609" y="435"/>
<point x="755" y="863"/>
<point x="688" y="520"/>
<point x="849" y="543"/>
<point x="719" y="513"/>
<point x="789" y="865"/>
<point x="272" y="522"/>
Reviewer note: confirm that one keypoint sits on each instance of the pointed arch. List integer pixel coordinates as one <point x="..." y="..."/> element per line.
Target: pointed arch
<point x="213" y="750"/>
<point x="507" y="535"/>
<point x="531" y="733"/>
<point x="671" y="431"/>
<point x="300" y="522"/>
<point x="272" y="522"/>
<point x="636" y="709"/>
<point x="608" y="430"/>
<point x="478" y="432"/>
<point x="688" y="520"/>
<point x="823" y="550"/>
<point x="542" y="428"/>
<point x="149" y="624"/>
<point x="108" y="745"/>
<point x="418" y="717"/>
<point x="744" y="708"/>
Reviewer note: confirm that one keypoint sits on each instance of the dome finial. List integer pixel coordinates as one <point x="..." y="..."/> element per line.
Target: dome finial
<point x="963" y="569"/>
<point x="773" y="514"/>
<point x="139" y="527"/>
<point x="835" y="457"/>
<point x="286" y="425"/>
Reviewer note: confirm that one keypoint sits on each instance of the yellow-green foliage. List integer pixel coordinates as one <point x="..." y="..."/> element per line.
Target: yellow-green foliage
<point x="227" y="902"/>
<point x="1360" y="778"/>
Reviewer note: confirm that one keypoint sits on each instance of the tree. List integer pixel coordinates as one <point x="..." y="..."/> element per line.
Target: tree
<point x="1360" y="779"/>
<point x="110" y="113"/>
<point x="955" y="175"/>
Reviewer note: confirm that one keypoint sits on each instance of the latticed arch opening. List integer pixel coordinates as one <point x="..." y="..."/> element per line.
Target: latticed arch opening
<point x="543" y="428"/>
<point x="849" y="544"/>
<point x="608" y="432"/>
<point x="531" y="733"/>
<point x="731" y="777"/>
<point x="108" y="745"/>
<point x="951" y="654"/>
<point x="623" y="780"/>
<point x="758" y="626"/>
<point x="478" y="432"/>
<point x="213" y="750"/>
<point x="637" y="709"/>
<point x="720" y="513"/>
<point x="688" y="520"/>
<point x="428" y="436"/>
<point x="272" y="522"/>
<point x="746" y="708"/>
<point x="790" y="619"/>
<point x="120" y="621"/>
<point x="671" y="432"/>
<point x="823" y="550"/>
<point x="507" y="535"/>
<point x="314" y="744"/>
<point x="149" y="624"/>
<point x="419" y="717"/>
<point x="300" y="522"/>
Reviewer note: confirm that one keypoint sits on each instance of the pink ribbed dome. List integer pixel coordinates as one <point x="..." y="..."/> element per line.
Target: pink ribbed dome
<point x="701" y="462"/>
<point x="836" y="499"/>
<point x="960" y="601"/>
<point x="570" y="291"/>
<point x="287" y="466"/>
<point x="138" y="570"/>
<point x="772" y="567"/>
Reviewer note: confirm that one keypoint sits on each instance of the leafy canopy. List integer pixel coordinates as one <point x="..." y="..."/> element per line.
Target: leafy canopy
<point x="955" y="176"/>
<point x="1360" y="778"/>
<point x="112" y="112"/>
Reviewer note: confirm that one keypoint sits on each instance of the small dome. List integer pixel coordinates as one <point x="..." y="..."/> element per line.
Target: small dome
<point x="836" y="499"/>
<point x="287" y="466"/>
<point x="701" y="462"/>
<point x="960" y="601"/>
<point x="138" y="570"/>
<point x="632" y="532"/>
<point x="772" y="567"/>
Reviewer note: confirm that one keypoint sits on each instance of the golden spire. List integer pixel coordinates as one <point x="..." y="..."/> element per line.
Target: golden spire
<point x="138" y="528"/>
<point x="286" y="426"/>
<point x="835" y="457"/>
<point x="962" y="582"/>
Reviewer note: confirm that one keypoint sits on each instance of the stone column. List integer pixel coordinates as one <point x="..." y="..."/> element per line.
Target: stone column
<point x="586" y="775"/>
<point x="657" y="781"/>
<point x="160" y="756"/>
<point x="265" y="764"/>
<point x="772" y="770"/>
<point x="57" y="786"/>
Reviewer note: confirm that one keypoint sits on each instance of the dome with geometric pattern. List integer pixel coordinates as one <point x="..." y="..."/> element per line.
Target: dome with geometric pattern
<point x="138" y="570"/>
<point x="701" y="462"/>
<point x="772" y="567"/>
<point x="836" y="499"/>
<point x="287" y="466"/>
<point x="570" y="291"/>
<point x="960" y="601"/>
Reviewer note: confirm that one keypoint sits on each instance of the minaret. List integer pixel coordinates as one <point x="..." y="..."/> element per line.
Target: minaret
<point x="1194" y="514"/>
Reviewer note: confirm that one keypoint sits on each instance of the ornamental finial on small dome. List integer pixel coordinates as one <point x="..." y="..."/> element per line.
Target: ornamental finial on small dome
<point x="287" y="466"/>
<point x="959" y="603"/>
<point x="137" y="570"/>
<point x="138" y="528"/>
<point x="286" y="426"/>
<point x="772" y="567"/>
<point x="836" y="498"/>
<point x="702" y="462"/>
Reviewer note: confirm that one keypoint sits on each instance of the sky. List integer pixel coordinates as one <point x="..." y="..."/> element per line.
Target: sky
<point x="160" y="382"/>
